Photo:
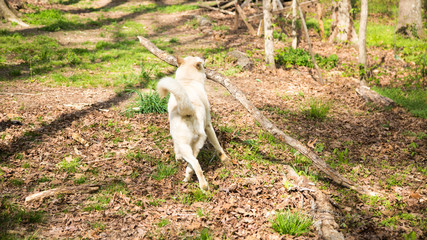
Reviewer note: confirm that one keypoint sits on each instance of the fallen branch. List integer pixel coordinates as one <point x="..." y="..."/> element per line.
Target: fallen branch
<point x="244" y="18"/>
<point x="258" y="116"/>
<point x="284" y="9"/>
<point x="62" y="190"/>
<point x="372" y="96"/>
<point x="215" y="9"/>
<point x="323" y="211"/>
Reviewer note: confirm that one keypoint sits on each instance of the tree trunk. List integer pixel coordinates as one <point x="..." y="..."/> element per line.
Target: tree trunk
<point x="410" y="19"/>
<point x="268" y="33"/>
<point x="304" y="26"/>
<point x="320" y="20"/>
<point x="9" y="15"/>
<point x="342" y="28"/>
<point x="362" y="40"/>
<point x="294" y="25"/>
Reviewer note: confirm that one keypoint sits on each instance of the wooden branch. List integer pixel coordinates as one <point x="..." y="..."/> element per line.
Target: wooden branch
<point x="231" y="3"/>
<point x="216" y="9"/>
<point x="323" y="211"/>
<point x="372" y="96"/>
<point x="258" y="116"/>
<point x="285" y="8"/>
<point x="62" y="190"/>
<point x="309" y="43"/>
<point x="244" y="18"/>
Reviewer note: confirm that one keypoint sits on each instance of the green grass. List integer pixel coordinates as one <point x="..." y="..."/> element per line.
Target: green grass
<point x="43" y="59"/>
<point x="291" y="223"/>
<point x="414" y="100"/>
<point x="205" y="234"/>
<point x="12" y="215"/>
<point x="164" y="170"/>
<point x="152" y="7"/>
<point x="69" y="165"/>
<point x="148" y="103"/>
<point x="289" y="57"/>
<point x="101" y="200"/>
<point x="195" y="195"/>
<point x="316" y="109"/>
<point x="163" y="222"/>
<point x="382" y="35"/>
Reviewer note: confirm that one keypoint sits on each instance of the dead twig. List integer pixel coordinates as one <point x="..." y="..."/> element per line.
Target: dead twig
<point x="62" y="190"/>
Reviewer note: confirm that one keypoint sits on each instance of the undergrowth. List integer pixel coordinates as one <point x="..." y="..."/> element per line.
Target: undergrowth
<point x="289" y="57"/>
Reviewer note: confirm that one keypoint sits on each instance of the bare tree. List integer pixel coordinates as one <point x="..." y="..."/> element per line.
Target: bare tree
<point x="410" y="18"/>
<point x="342" y="28"/>
<point x="10" y="14"/>
<point x="267" y="6"/>
<point x="362" y="39"/>
<point x="294" y="25"/>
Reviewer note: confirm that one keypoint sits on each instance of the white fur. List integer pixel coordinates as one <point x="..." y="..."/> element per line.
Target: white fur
<point x="189" y="115"/>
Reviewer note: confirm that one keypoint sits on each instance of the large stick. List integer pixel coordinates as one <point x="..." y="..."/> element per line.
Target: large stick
<point x="258" y="116"/>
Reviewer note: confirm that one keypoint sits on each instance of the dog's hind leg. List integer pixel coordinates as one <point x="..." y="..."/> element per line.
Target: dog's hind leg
<point x="214" y="141"/>
<point x="187" y="154"/>
<point x="188" y="173"/>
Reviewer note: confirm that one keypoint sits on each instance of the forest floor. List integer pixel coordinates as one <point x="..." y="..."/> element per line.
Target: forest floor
<point x="55" y="135"/>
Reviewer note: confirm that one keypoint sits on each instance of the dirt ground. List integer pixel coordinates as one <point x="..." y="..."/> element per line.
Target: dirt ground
<point x="88" y="123"/>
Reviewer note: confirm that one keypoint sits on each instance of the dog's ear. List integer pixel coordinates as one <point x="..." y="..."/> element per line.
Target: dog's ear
<point x="199" y="65"/>
<point x="179" y="60"/>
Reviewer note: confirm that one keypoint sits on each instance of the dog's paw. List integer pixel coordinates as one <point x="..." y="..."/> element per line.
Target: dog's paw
<point x="225" y="159"/>
<point x="204" y="185"/>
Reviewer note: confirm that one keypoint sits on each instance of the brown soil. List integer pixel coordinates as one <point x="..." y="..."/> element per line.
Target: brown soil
<point x="58" y="122"/>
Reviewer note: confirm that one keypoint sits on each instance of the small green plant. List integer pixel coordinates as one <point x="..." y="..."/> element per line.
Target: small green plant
<point x="412" y="148"/>
<point x="295" y="223"/>
<point x="390" y="221"/>
<point x="205" y="234"/>
<point x="69" y="164"/>
<point x="149" y="103"/>
<point x="342" y="156"/>
<point x="195" y="195"/>
<point x="316" y="110"/>
<point x="97" y="225"/>
<point x="164" y="171"/>
<point x="16" y="181"/>
<point x="163" y="222"/>
<point x="80" y="180"/>
<point x="155" y="202"/>
<point x="319" y="147"/>
<point x="410" y="236"/>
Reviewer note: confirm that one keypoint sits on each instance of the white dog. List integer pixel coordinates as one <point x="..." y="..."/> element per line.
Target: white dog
<point x="189" y="115"/>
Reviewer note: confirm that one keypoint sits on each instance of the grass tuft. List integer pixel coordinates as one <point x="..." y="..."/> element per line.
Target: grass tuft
<point x="149" y="103"/>
<point x="316" y="110"/>
<point x="291" y="223"/>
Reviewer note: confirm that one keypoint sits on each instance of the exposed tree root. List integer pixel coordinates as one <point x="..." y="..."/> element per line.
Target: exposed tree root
<point x="322" y="209"/>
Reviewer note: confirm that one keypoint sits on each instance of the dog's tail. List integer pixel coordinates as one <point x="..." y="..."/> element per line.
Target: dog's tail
<point x="168" y="84"/>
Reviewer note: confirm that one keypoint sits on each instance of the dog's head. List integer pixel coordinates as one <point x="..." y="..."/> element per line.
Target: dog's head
<point x="191" y="62"/>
